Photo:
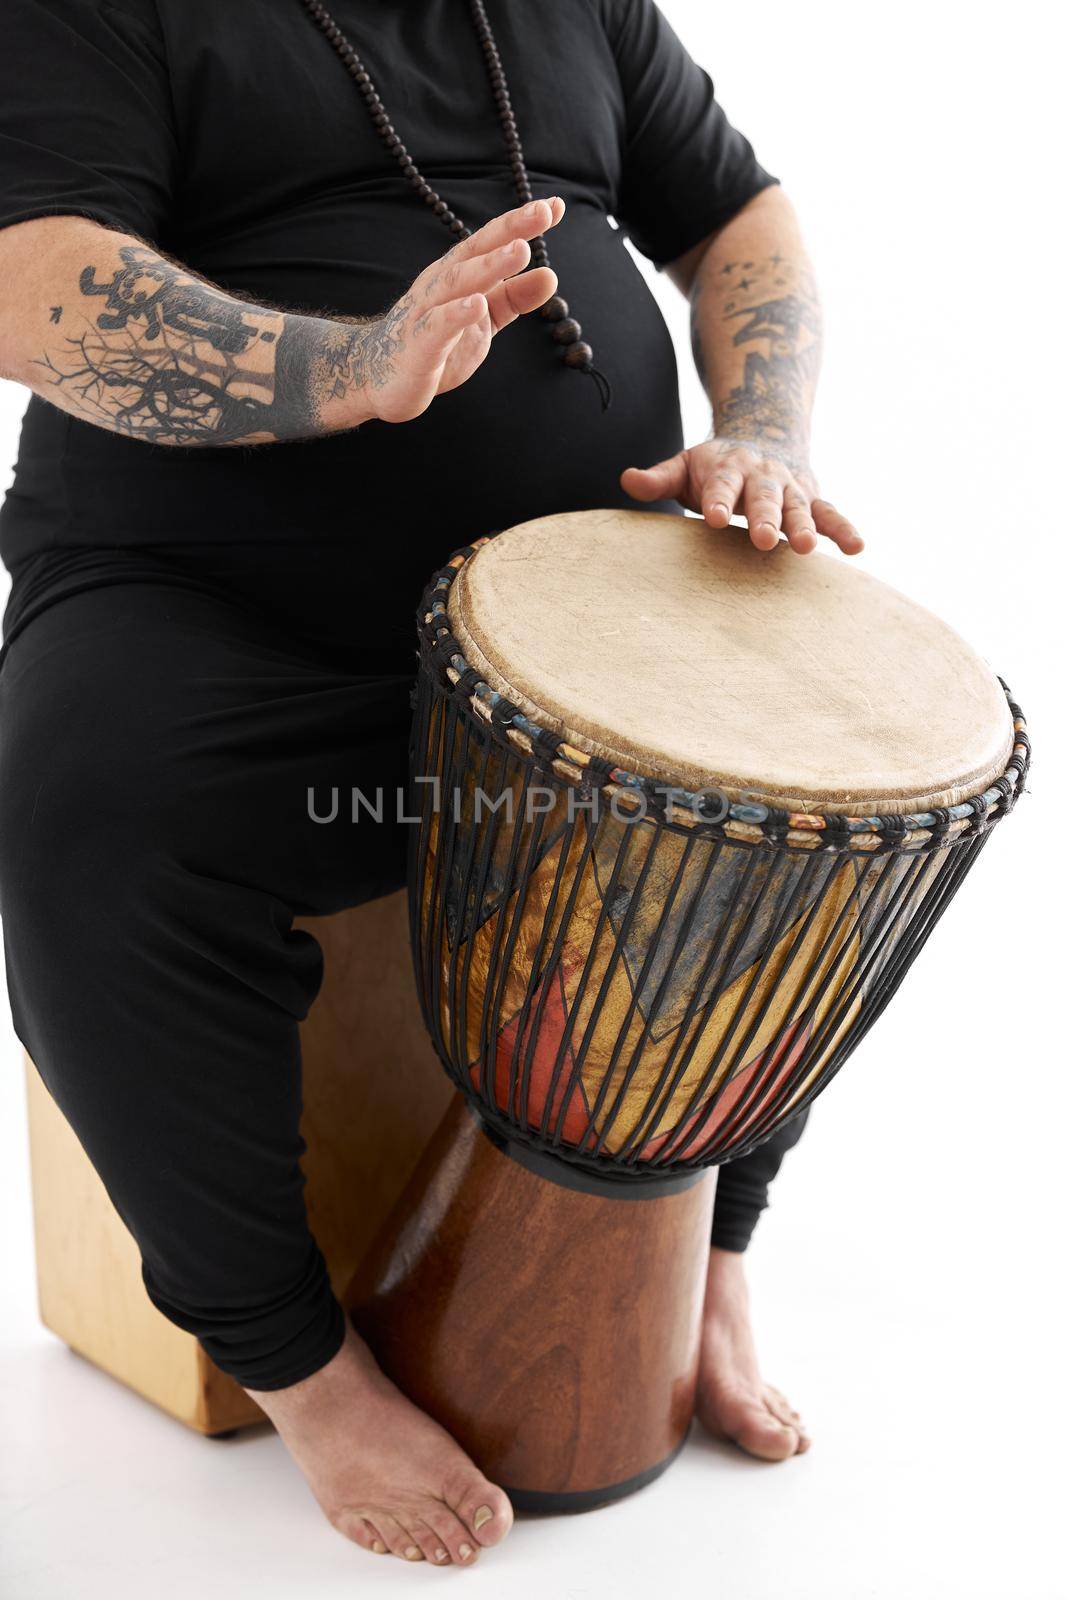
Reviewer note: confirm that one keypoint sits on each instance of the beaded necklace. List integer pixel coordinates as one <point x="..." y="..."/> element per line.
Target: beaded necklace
<point x="564" y="329"/>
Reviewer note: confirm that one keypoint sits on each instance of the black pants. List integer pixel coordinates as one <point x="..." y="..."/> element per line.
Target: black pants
<point x="162" y="717"/>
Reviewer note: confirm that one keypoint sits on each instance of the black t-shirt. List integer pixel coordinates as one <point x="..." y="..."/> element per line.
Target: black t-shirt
<point x="227" y="133"/>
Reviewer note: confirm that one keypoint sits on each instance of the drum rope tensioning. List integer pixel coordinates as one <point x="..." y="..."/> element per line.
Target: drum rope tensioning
<point x="634" y="978"/>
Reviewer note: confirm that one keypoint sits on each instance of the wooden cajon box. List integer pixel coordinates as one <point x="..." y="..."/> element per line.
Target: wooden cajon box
<point x="373" y="1094"/>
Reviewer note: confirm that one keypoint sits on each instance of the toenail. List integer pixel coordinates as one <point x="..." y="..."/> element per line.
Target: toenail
<point x="483" y="1515"/>
<point x="412" y="1554"/>
<point x="465" y="1552"/>
<point x="378" y="1547"/>
<point x="440" y="1555"/>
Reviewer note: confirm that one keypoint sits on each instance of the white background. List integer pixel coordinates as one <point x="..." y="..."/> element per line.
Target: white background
<point x="907" y="1282"/>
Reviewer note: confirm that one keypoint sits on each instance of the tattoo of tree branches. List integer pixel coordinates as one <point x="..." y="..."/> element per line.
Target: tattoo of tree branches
<point x="167" y="358"/>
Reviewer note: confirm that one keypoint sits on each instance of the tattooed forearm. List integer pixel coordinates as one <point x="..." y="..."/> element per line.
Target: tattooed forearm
<point x="756" y="332"/>
<point x="153" y="352"/>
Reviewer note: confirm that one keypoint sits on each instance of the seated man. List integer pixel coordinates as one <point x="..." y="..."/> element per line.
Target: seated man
<point x="198" y="629"/>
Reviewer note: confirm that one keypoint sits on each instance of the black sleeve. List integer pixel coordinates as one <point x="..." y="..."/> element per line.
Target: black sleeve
<point x="85" y="114"/>
<point x="686" y="171"/>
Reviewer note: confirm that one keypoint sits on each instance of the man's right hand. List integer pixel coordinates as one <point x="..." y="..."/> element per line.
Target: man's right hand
<point x="439" y="333"/>
<point x="103" y="326"/>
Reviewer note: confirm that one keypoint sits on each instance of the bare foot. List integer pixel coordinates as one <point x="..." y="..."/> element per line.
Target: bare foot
<point x="733" y="1402"/>
<point x="386" y="1476"/>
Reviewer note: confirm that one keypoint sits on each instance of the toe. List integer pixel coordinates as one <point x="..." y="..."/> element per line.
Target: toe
<point x="779" y="1406"/>
<point x="392" y="1534"/>
<point x="746" y="1421"/>
<point x="430" y="1547"/>
<point x="778" y="1402"/>
<point x="485" y="1509"/>
<point x="765" y="1435"/>
<point x="360" y="1531"/>
<point x="451" y="1535"/>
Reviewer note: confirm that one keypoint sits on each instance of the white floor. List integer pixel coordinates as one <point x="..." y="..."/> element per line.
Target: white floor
<point x="909" y="1304"/>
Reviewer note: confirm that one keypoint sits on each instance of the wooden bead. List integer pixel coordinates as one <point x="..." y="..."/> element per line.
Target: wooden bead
<point x="567" y="331"/>
<point x="555" y="310"/>
<point x="579" y="354"/>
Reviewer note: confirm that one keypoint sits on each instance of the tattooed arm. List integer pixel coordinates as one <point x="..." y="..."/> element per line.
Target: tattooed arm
<point x="757" y="340"/>
<point x="106" y="328"/>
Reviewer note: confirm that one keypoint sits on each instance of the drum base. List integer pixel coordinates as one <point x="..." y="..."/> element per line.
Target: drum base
<point x="553" y="1332"/>
<point x="538" y="1503"/>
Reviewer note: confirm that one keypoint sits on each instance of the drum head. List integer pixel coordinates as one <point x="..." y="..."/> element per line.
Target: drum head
<point x="684" y="654"/>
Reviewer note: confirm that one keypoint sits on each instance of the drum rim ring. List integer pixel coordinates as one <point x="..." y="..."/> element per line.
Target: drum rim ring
<point x="757" y="824"/>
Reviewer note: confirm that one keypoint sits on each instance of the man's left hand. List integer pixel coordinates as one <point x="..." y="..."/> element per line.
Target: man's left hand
<point x="722" y="476"/>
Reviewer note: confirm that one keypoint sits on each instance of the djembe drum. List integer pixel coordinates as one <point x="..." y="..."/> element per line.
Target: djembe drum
<point x="689" y="811"/>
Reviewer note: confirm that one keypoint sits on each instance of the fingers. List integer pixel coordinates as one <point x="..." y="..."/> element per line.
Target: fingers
<point x="435" y="337"/>
<point x="495" y="252"/>
<point x="524" y="222"/>
<point x="517" y="296"/>
<point x="719" y="480"/>
<point x="433" y="330"/>
<point x="449" y="279"/>
<point x="763" y="510"/>
<point x="667" y="480"/>
<point x="797" y="524"/>
<point x="832" y="525"/>
<point x="720" y="492"/>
